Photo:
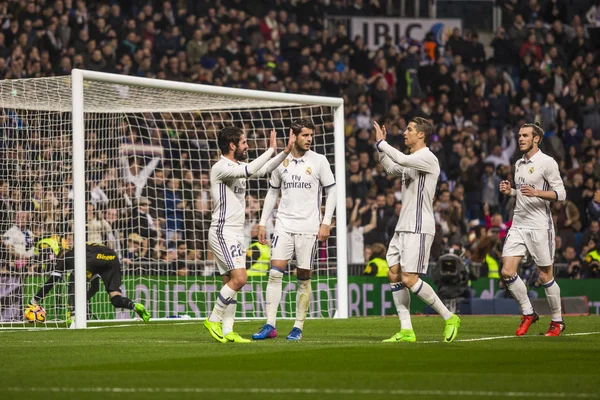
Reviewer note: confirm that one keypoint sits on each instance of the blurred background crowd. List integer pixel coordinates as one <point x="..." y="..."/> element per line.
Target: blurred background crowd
<point x="152" y="201"/>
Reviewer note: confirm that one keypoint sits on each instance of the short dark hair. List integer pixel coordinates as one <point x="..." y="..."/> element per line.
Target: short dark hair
<point x="298" y="124"/>
<point x="423" y="125"/>
<point x="230" y="134"/>
<point x="536" y="129"/>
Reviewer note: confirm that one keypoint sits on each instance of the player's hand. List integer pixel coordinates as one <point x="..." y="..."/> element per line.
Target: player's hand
<point x="273" y="140"/>
<point x="324" y="231"/>
<point x="505" y="187"/>
<point x="380" y="132"/>
<point x="528" y="191"/>
<point x="291" y="141"/>
<point x="262" y="235"/>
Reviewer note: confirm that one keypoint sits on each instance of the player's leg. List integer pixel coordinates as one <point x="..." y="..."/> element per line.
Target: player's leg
<point x="400" y="293"/>
<point x="282" y="250"/>
<point x="305" y="248"/>
<point x="415" y="263"/>
<point x="42" y="292"/>
<point x="93" y="288"/>
<point x="111" y="276"/>
<point x="230" y="259"/>
<point x="512" y="253"/>
<point x="401" y="297"/>
<point x="229" y="318"/>
<point x="543" y="254"/>
<point x="557" y="325"/>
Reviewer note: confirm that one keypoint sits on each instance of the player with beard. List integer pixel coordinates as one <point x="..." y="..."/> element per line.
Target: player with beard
<point x="301" y="179"/>
<point x="226" y="233"/>
<point x="538" y="183"/>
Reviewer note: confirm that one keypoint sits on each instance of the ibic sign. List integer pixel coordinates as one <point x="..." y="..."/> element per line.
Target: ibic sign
<point x="374" y="31"/>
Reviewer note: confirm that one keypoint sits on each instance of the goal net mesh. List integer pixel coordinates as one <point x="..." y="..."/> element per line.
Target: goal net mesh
<point x="148" y="154"/>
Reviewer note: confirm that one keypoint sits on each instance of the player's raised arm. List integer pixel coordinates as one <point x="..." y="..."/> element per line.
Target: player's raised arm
<point x="233" y="146"/>
<point x="275" y="161"/>
<point x="421" y="161"/>
<point x="389" y="166"/>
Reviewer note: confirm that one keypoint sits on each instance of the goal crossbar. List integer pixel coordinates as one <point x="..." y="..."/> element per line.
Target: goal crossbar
<point x="117" y="101"/>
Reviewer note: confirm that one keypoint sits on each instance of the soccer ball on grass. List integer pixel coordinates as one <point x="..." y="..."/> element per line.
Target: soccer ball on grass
<point x="35" y="313"/>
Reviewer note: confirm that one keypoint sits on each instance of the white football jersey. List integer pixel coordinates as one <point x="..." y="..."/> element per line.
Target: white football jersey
<point x="228" y="190"/>
<point x="300" y="181"/>
<point x="541" y="173"/>
<point x="420" y="172"/>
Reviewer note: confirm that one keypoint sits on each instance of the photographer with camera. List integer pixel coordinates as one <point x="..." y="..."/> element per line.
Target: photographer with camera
<point x="453" y="274"/>
<point x="569" y="257"/>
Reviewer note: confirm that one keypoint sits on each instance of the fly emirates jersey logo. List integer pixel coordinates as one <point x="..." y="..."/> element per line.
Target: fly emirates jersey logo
<point x="295" y="181"/>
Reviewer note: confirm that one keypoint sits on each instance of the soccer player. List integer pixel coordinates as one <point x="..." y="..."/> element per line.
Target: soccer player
<point x="538" y="183"/>
<point x="226" y="233"/>
<point x="100" y="260"/>
<point x="298" y="225"/>
<point x="408" y="251"/>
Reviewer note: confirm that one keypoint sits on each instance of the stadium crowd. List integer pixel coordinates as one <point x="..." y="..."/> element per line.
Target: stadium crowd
<point x="543" y="68"/>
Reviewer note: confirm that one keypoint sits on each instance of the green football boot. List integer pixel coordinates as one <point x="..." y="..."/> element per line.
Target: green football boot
<point x="141" y="311"/>
<point x="451" y="329"/>
<point x="216" y="330"/>
<point x="405" y="335"/>
<point x="236" y="338"/>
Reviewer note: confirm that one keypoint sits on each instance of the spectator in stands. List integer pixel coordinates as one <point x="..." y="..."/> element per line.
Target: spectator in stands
<point x="356" y="231"/>
<point x="98" y="229"/>
<point x="135" y="173"/>
<point x="377" y="264"/>
<point x="555" y="80"/>
<point x="19" y="241"/>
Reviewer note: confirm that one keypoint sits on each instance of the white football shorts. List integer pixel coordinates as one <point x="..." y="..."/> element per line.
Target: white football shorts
<point x="411" y="251"/>
<point x="228" y="249"/>
<point x="539" y="243"/>
<point x="284" y="245"/>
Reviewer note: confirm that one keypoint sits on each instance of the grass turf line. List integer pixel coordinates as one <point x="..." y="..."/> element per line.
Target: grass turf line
<point x="335" y="359"/>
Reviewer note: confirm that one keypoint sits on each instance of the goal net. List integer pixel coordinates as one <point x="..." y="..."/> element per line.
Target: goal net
<point x="124" y="162"/>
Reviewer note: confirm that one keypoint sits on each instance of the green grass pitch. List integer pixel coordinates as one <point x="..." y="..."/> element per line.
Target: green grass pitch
<point x="337" y="359"/>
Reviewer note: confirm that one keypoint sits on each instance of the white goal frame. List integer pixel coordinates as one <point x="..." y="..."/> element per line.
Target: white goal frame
<point x="79" y="200"/>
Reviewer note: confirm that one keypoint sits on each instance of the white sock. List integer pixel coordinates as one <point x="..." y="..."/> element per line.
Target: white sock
<point x="302" y="302"/>
<point x="223" y="299"/>
<point x="401" y="298"/>
<point x="273" y="295"/>
<point x="553" y="295"/>
<point x="427" y="294"/>
<point x="519" y="291"/>
<point x="229" y="316"/>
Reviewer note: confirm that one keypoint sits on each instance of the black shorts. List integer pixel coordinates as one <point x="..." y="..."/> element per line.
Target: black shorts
<point x="100" y="260"/>
<point x="106" y="264"/>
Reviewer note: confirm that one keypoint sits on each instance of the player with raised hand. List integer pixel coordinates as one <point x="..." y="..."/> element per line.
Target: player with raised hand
<point x="408" y="251"/>
<point x="538" y="183"/>
<point x="299" y="223"/>
<point x="226" y="233"/>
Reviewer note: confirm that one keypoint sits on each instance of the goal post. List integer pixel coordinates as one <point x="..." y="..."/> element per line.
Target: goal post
<point x="166" y="131"/>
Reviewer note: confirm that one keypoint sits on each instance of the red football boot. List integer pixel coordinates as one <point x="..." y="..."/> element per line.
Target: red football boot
<point x="555" y="328"/>
<point x="526" y="321"/>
